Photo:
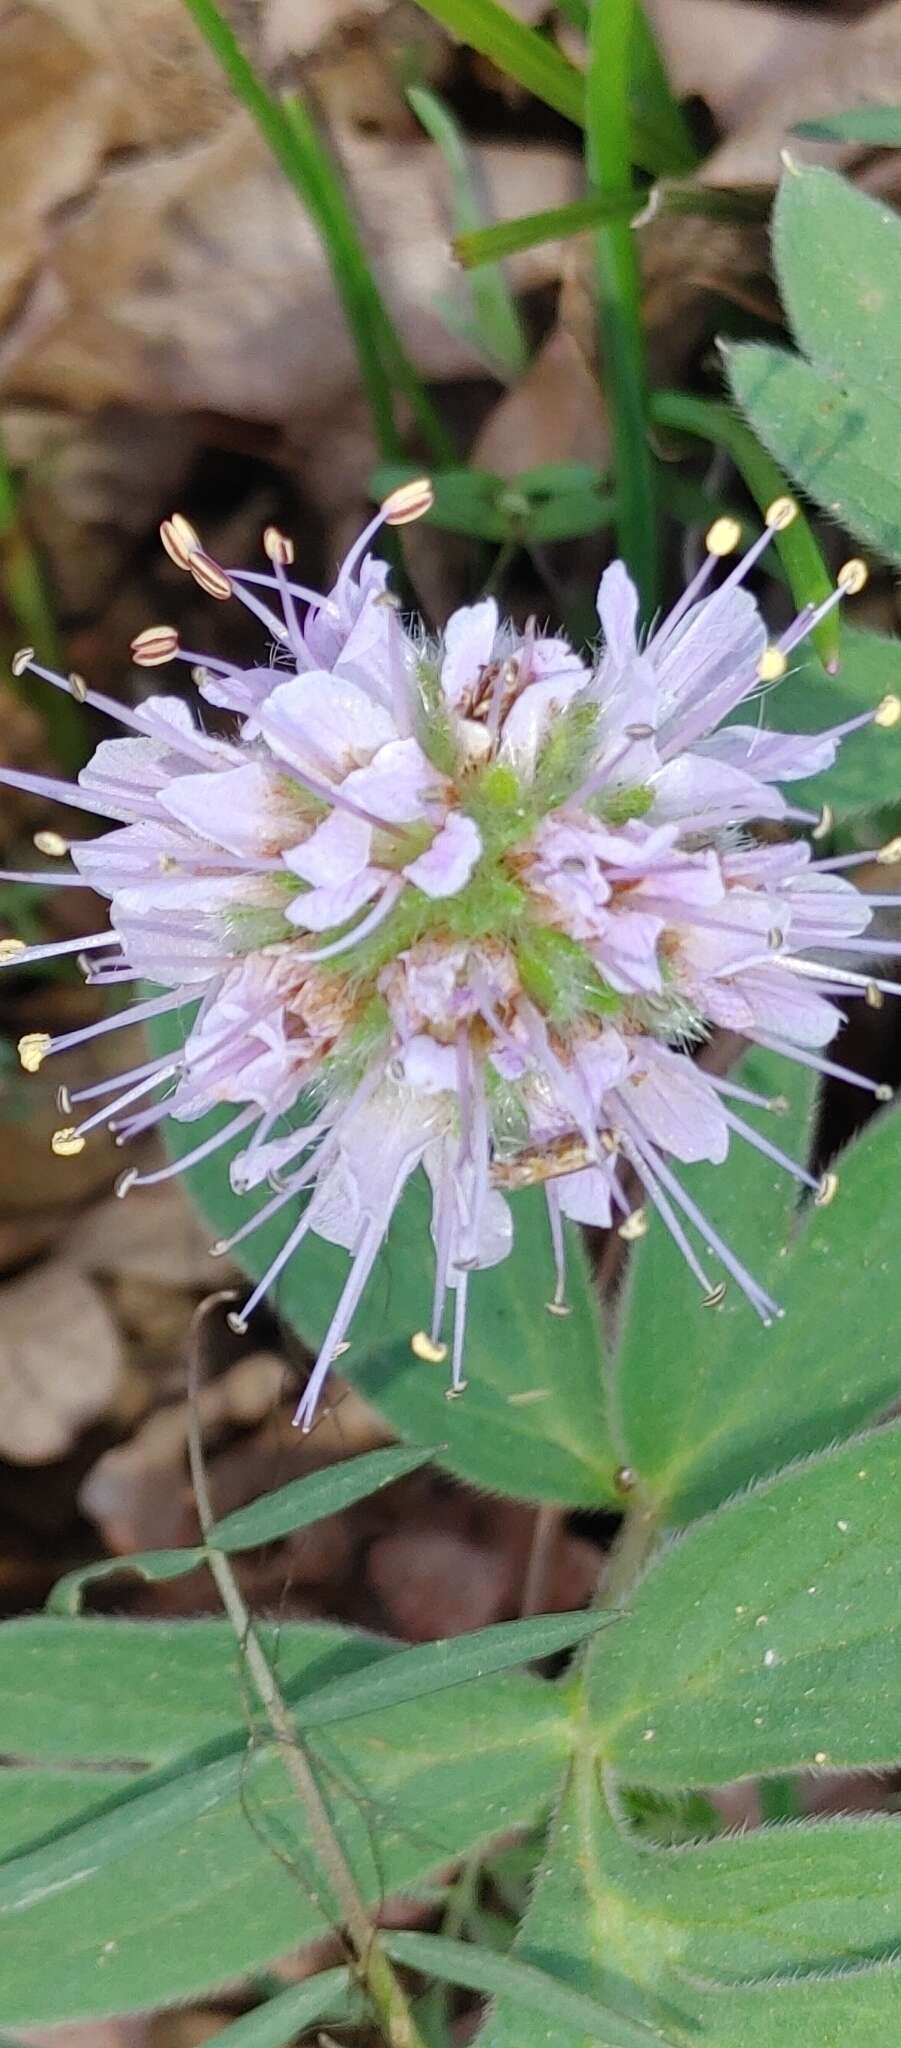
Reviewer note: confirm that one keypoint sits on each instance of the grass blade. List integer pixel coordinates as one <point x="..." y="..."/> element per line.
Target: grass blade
<point x="152" y="1565"/>
<point x="435" y="1667"/>
<point x="480" y="1969"/>
<point x="291" y="133"/>
<point x="738" y="203"/>
<point x="609" y="163"/>
<point x="520" y="52"/>
<point x="798" y="549"/>
<point x="23" y="586"/>
<point x="277" y="2023"/>
<point x="308" y="1500"/>
<point x="492" y="321"/>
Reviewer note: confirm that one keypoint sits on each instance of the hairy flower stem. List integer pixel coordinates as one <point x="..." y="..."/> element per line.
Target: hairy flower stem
<point x="629" y="1555"/>
<point x="377" y="1975"/>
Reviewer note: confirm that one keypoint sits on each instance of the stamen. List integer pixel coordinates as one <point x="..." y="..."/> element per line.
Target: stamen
<point x="66" y="1144"/>
<point x="155" y="646"/>
<point x="425" y="1347"/>
<point x="24" y="956"/>
<point x="51" y="843"/>
<point x="458" y="1382"/>
<point x="180" y="540"/>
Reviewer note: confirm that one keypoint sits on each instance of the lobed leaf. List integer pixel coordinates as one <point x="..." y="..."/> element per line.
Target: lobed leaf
<point x="712" y="1400"/>
<point x="170" y="1900"/>
<point x="768" y="1638"/>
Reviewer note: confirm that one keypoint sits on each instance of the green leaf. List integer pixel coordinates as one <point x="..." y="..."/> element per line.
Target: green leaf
<point x="867" y="770"/>
<point x="834" y="421"/>
<point x="769" y="1638"/>
<point x="738" y="203"/>
<point x="858" y="2009"/>
<point x="532" y="1422"/>
<point x="437" y="1666"/>
<point x="492" y="319"/>
<point x="278" y="2023"/>
<point x="880" y="126"/>
<point x="838" y="259"/>
<point x="542" y="1996"/>
<point x="308" y="1500"/>
<point x="524" y="509"/>
<point x="536" y="63"/>
<point x="715" y="1400"/>
<point x="155" y="1566"/>
<point x="838" y="442"/>
<point x="797" y="547"/>
<point x="228" y="1882"/>
<point x="643" y="1928"/>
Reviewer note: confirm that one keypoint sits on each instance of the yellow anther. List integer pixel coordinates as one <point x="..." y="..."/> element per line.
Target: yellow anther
<point x="422" y="1347"/>
<point x="236" y="1323"/>
<point x="558" y="1308"/>
<point x="635" y="1226"/>
<point x="153" y="647"/>
<point x="78" y="687"/>
<point x="63" y="1100"/>
<point x="890" y="853"/>
<point x="410" y="501"/>
<point x="208" y="574"/>
<point x="772" y="665"/>
<point x="12" y="949"/>
<point x="278" y="547"/>
<point x="780" y="514"/>
<point x="824" y="823"/>
<point x="888" y="712"/>
<point x="180" y="540"/>
<point x="723" y="537"/>
<point x="873" y="996"/>
<point x="827" y="1191"/>
<point x="852" y="576"/>
<point x="51" y="843"/>
<point x="716" y="1297"/>
<point x="66" y="1143"/>
<point x="883" y="1092"/>
<point x="33" y="1050"/>
<point x="779" y="1105"/>
<point x="22" y="660"/>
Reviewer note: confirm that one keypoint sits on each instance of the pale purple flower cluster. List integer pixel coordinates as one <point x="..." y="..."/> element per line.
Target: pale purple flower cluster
<point x="465" y="903"/>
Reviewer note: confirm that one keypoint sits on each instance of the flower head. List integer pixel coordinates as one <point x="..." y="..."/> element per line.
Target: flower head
<point x="464" y="903"/>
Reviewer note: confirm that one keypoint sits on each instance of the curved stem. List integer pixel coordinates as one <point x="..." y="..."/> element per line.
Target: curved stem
<point x="376" y="1974"/>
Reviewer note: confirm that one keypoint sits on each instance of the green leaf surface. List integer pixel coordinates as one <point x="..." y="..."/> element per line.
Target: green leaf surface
<point x="880" y="126"/>
<point x="836" y="440"/>
<point x="228" y="1882"/>
<point x="857" y="2009"/>
<point x="644" y="1928"/>
<point x="308" y="1500"/>
<point x="769" y="1637"/>
<point x="450" y="1661"/>
<point x="278" y="2023"/>
<point x="710" y="1401"/>
<point x="838" y="258"/>
<point x="154" y="1566"/>
<point x="562" y="501"/>
<point x="532" y="1990"/>
<point x="867" y="770"/>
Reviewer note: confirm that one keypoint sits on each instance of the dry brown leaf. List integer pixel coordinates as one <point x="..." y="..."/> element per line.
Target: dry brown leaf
<point x="196" y="280"/>
<point x="139" y="1494"/>
<point x="60" y="1362"/>
<point x="858" y="62"/>
<point x="155" y="1236"/>
<point x="730" y="53"/>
